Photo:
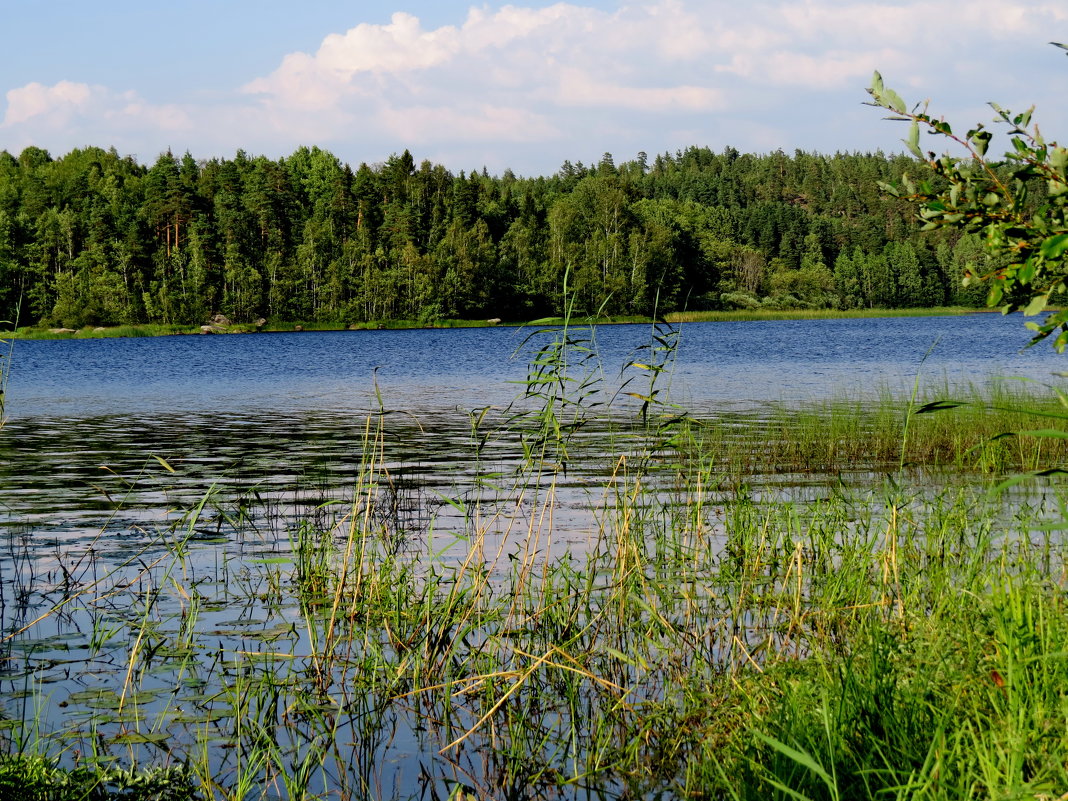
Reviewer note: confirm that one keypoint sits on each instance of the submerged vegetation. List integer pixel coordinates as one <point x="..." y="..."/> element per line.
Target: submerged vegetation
<point x="611" y="599"/>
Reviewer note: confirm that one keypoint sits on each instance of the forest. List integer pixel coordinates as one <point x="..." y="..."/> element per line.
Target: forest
<point x="94" y="238"/>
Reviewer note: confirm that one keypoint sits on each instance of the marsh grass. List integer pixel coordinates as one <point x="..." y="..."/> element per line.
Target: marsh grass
<point x="90" y="332"/>
<point x="37" y="778"/>
<point x="741" y="315"/>
<point x="892" y="636"/>
<point x="1006" y="427"/>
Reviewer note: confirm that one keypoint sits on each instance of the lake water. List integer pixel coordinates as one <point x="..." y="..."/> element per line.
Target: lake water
<point x="422" y="371"/>
<point x="108" y="441"/>
<point x="87" y="418"/>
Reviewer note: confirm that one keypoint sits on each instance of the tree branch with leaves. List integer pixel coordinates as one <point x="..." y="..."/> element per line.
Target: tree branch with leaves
<point x="1018" y="203"/>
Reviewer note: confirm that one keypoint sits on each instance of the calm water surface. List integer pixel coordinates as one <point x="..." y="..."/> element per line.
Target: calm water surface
<point x="282" y="416"/>
<point x="433" y="370"/>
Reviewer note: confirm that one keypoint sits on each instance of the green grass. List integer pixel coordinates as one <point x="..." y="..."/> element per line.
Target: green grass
<point x="809" y="314"/>
<point x="141" y="330"/>
<point x="990" y="430"/>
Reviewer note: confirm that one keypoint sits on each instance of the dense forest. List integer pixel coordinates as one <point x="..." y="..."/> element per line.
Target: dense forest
<point x="94" y="238"/>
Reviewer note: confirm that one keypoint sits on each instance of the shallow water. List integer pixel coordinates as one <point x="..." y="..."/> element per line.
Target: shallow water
<point x="111" y="445"/>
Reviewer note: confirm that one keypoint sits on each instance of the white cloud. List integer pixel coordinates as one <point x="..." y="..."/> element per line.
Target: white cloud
<point x="406" y="79"/>
<point x="566" y="80"/>
<point x="66" y="102"/>
<point x="35" y="100"/>
<point x="829" y="44"/>
<point x="578" y="88"/>
<point x="425" y="124"/>
<point x="400" y="46"/>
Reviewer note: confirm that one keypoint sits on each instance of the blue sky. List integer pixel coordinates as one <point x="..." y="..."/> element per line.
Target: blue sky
<point x="522" y="86"/>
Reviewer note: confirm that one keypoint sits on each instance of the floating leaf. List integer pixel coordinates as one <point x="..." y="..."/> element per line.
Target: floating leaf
<point x="133" y="737"/>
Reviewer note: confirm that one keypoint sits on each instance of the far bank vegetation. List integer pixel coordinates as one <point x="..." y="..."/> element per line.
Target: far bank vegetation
<point x="96" y="239"/>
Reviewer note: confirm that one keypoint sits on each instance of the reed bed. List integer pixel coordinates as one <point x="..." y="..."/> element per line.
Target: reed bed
<point x="895" y="637"/>
<point x="1007" y="426"/>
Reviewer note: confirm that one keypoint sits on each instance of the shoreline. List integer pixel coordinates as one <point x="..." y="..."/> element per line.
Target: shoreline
<point x="740" y="315"/>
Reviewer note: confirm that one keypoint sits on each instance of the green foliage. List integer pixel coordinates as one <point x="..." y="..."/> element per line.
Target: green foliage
<point x="38" y="778"/>
<point x="1018" y="204"/>
<point x="96" y="239"/>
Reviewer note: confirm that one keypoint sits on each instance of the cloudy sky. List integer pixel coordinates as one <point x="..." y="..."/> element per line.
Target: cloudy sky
<point x="521" y="86"/>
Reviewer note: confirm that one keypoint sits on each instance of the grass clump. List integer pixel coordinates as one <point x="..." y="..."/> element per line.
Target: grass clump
<point x="38" y="778"/>
<point x="966" y="700"/>
<point x="992" y="430"/>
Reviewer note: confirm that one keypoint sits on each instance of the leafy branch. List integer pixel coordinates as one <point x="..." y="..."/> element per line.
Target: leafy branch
<point x="1019" y="204"/>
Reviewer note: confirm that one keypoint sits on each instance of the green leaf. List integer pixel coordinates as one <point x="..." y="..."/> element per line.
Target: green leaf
<point x="1058" y="158"/>
<point x="876" y="84"/>
<point x="981" y="140"/>
<point x="800" y="757"/>
<point x="913" y="140"/>
<point x="894" y="101"/>
<point x="1045" y="433"/>
<point x="1052" y="247"/>
<point x="938" y="406"/>
<point x="1037" y="304"/>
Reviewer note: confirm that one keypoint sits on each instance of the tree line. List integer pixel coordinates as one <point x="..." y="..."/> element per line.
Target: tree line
<point x="94" y="238"/>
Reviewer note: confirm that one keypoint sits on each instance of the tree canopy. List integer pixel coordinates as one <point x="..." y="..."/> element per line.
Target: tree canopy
<point x="95" y="238"/>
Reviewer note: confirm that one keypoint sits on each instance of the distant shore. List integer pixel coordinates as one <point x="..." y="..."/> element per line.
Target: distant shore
<point x="739" y="315"/>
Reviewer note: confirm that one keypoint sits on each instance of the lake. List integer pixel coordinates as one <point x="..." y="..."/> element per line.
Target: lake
<point x="266" y="412"/>
<point x="431" y="370"/>
<point x="111" y="446"/>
